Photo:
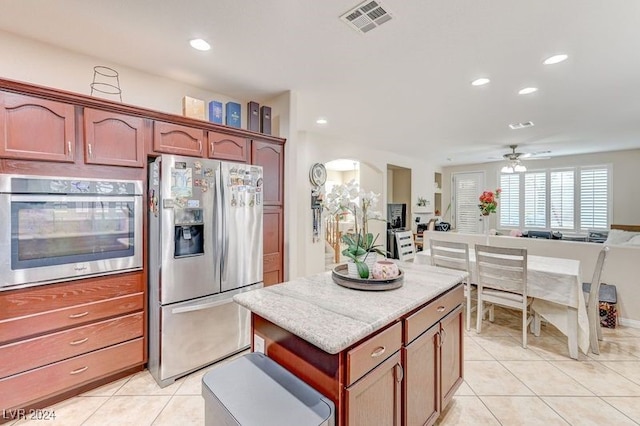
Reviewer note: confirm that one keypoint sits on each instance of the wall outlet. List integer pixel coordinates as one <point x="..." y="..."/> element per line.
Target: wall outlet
<point x="258" y="344"/>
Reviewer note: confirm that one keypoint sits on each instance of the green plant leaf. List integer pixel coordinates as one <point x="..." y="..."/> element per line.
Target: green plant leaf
<point x="363" y="269"/>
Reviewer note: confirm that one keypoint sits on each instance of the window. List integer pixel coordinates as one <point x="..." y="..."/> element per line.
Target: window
<point x="594" y="202"/>
<point x="535" y="200"/>
<point x="562" y="199"/>
<point x="509" y="204"/>
<point x="570" y="199"/>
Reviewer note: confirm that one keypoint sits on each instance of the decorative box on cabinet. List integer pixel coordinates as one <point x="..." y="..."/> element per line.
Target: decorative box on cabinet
<point x="114" y="139"/>
<point x="67" y="335"/>
<point x="32" y="128"/>
<point x="228" y="147"/>
<point x="176" y="139"/>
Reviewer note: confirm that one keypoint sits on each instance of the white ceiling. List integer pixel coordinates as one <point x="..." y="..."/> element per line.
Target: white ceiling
<point x="401" y="87"/>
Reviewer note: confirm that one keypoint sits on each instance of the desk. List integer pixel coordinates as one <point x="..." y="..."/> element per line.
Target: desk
<point x="556" y="287"/>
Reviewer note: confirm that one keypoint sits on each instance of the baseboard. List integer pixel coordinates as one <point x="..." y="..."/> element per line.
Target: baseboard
<point x="629" y="322"/>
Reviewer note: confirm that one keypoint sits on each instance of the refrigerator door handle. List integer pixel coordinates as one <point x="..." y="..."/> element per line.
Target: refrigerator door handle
<point x="201" y="307"/>
<point x="222" y="211"/>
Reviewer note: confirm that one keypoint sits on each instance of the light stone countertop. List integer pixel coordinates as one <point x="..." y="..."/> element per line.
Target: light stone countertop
<point x="332" y="317"/>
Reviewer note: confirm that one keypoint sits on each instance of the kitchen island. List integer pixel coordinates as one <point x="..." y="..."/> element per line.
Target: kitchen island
<point x="383" y="357"/>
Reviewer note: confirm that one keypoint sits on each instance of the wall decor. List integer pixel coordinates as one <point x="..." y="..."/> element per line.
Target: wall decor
<point x="265" y="120"/>
<point x="253" y="116"/>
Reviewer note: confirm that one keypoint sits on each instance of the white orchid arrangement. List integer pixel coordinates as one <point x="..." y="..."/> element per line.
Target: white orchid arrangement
<point x="349" y="199"/>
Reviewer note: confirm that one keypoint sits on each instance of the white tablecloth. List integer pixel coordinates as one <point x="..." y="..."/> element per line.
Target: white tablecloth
<point x="556" y="287"/>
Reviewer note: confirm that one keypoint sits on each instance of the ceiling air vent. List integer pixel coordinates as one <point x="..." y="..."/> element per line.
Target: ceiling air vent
<point x="517" y="126"/>
<point x="366" y="16"/>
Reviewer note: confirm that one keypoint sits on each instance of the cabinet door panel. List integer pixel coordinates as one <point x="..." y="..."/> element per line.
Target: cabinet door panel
<point x="36" y="129"/>
<point x="113" y="139"/>
<point x="451" y="354"/>
<point x="421" y="381"/>
<point x="271" y="157"/>
<point x="273" y="236"/>
<point x="226" y="147"/>
<point x="176" y="139"/>
<point x="376" y="398"/>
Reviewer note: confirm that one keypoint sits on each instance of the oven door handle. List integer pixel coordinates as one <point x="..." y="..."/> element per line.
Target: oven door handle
<point x="65" y="198"/>
<point x="201" y="307"/>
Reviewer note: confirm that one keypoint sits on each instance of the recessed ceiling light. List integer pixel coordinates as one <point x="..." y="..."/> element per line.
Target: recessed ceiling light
<point x="199" y="44"/>
<point x="527" y="90"/>
<point x="555" y="59"/>
<point x="480" y="81"/>
<point x="321" y="120"/>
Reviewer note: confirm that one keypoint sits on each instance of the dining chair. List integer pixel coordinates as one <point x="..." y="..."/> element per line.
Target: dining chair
<point x="452" y="255"/>
<point x="502" y="280"/>
<point x="592" y="299"/>
<point x="406" y="246"/>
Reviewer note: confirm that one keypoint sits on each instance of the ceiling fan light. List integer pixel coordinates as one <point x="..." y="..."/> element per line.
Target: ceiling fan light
<point x="506" y="169"/>
<point x="519" y="168"/>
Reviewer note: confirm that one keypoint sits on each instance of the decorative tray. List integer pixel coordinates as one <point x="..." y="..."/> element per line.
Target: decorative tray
<point x="339" y="275"/>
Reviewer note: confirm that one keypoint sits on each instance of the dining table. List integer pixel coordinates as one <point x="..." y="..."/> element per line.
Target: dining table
<point x="556" y="288"/>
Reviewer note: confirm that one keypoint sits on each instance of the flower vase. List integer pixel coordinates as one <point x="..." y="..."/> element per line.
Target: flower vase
<point x="352" y="269"/>
<point x="485" y="227"/>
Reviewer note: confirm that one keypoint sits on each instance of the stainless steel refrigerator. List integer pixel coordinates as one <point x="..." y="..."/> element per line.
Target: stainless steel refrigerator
<point x="205" y="246"/>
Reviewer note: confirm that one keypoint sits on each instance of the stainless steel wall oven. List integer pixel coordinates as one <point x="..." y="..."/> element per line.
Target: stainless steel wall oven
<point x="55" y="229"/>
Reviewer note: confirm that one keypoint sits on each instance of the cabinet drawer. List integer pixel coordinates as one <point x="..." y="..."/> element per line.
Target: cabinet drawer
<point x="422" y="320"/>
<point x="32" y="325"/>
<point x="372" y="352"/>
<point x="54" y="347"/>
<point x="34" y="300"/>
<point x="36" y="384"/>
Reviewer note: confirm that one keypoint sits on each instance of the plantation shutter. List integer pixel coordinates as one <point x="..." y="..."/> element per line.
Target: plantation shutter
<point x="562" y="206"/>
<point x="594" y="198"/>
<point x="535" y="200"/>
<point x="467" y="192"/>
<point x="509" y="202"/>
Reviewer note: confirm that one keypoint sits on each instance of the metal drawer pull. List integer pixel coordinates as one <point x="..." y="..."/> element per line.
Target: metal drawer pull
<point x="79" y="370"/>
<point x="80" y="315"/>
<point x="69" y="148"/>
<point x="378" y="351"/>
<point x="211" y="148"/>
<point x="78" y="342"/>
<point x="440" y="309"/>
<point x="90" y="151"/>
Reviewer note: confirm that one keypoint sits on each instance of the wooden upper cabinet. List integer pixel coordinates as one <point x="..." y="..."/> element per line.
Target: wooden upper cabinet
<point x="271" y="157"/>
<point x="227" y="147"/>
<point x="176" y="139"/>
<point x="36" y="129"/>
<point x="113" y="139"/>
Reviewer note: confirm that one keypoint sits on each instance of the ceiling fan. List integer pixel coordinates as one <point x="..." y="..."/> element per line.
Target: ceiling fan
<point x="514" y="160"/>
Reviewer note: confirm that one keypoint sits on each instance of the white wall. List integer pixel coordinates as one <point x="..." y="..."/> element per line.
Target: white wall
<point x="37" y="63"/>
<point x="313" y="148"/>
<point x="625" y="175"/>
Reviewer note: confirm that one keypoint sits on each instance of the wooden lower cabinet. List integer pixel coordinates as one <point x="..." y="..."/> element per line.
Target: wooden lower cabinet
<point x="64" y="375"/>
<point x="403" y="374"/>
<point x="421" y="362"/>
<point x="273" y="244"/>
<point x="433" y="370"/>
<point x="55" y="338"/>
<point x="376" y="399"/>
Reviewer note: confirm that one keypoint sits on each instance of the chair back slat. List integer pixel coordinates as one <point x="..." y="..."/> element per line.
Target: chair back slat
<point x="406" y="246"/>
<point x="502" y="268"/>
<point x="450" y="255"/>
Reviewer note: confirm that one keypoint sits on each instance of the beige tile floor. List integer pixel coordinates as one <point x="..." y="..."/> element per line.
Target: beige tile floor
<point x="504" y="385"/>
